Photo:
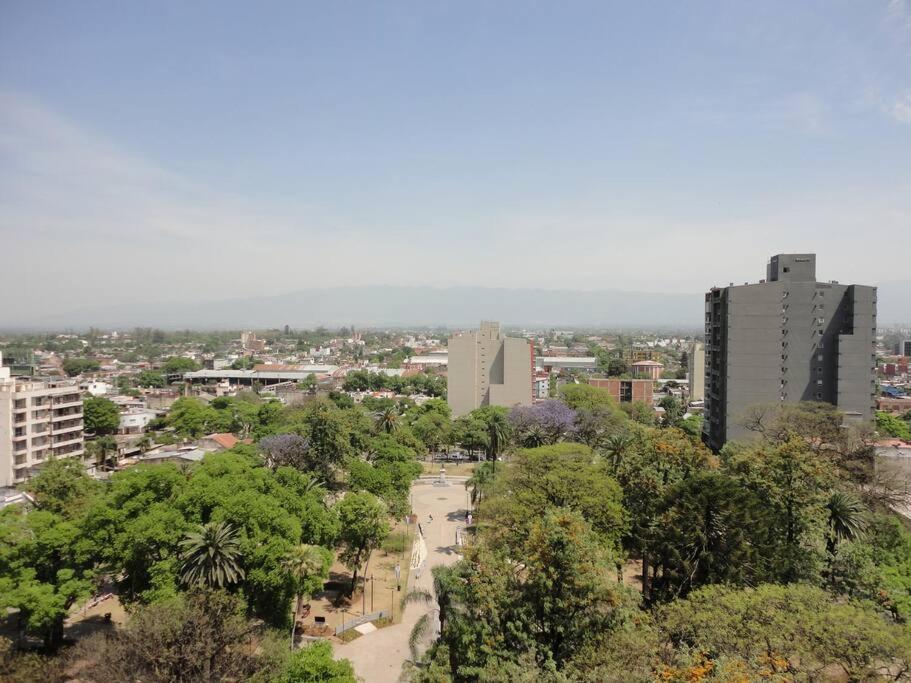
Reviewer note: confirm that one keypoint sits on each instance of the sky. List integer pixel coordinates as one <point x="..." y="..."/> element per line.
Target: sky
<point x="176" y="151"/>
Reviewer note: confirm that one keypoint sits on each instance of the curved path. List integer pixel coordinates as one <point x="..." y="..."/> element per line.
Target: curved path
<point x="378" y="657"/>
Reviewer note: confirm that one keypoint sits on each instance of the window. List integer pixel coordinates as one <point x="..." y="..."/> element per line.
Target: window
<point x="818" y="394"/>
<point x="819" y="371"/>
<point x="819" y="382"/>
<point x="820" y="320"/>
<point x="787" y="270"/>
<point x="819" y="358"/>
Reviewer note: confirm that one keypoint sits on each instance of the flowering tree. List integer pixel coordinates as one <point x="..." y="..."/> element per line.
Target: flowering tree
<point x="286" y="449"/>
<point x="543" y="423"/>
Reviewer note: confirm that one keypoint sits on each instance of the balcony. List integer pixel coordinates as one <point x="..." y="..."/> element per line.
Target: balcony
<point x="66" y="414"/>
<point x="67" y="440"/>
<point x="68" y="401"/>
<point x="64" y="428"/>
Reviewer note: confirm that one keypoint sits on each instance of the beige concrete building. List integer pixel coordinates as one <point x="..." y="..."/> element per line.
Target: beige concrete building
<point x="486" y="368"/>
<point x="647" y="369"/>
<point x="38" y="419"/>
<point x="695" y="371"/>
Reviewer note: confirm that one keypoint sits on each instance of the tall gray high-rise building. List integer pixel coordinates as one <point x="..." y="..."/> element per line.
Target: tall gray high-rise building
<point x="787" y="338"/>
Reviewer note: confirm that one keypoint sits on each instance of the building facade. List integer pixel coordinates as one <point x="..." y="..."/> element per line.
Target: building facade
<point x="906" y="348"/>
<point x="787" y="338"/>
<point x="627" y="390"/>
<point x="486" y="368"/>
<point x="695" y="371"/>
<point x="38" y="419"/>
<point x="646" y="369"/>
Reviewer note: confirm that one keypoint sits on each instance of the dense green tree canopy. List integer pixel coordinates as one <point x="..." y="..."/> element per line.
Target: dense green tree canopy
<point x="100" y="415"/>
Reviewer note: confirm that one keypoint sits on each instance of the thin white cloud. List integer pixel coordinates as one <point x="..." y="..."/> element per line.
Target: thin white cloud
<point x="901" y="109"/>
<point x="898" y="13"/>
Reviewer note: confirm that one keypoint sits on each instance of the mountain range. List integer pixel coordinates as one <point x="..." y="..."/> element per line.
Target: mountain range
<point x="392" y="306"/>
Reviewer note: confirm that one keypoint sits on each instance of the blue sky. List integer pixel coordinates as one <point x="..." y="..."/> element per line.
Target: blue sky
<point x="206" y="150"/>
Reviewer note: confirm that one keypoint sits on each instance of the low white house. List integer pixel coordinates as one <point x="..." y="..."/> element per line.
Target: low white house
<point x="96" y="387"/>
<point x="136" y="420"/>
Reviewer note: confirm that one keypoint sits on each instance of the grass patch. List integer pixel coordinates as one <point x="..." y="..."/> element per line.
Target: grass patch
<point x="395" y="541"/>
<point x="349" y="635"/>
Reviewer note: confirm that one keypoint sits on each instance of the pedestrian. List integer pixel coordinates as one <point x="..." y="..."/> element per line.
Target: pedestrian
<point x="431" y="518"/>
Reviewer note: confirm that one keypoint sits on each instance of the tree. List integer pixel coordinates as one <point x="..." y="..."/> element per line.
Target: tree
<point x="388" y="420"/>
<point x="286" y="450"/>
<point x="188" y="416"/>
<point x="639" y="412"/>
<point x="845" y="521"/>
<point x="211" y="557"/>
<point x="315" y="664"/>
<point x="570" y="590"/>
<point x="99" y="448"/>
<point x="711" y="530"/>
<point x="588" y="397"/>
<point x="552" y="419"/>
<point x="692" y="426"/>
<point x="498" y="432"/>
<point x="329" y="435"/>
<point x="203" y="636"/>
<point x="150" y="378"/>
<point x="649" y="464"/>
<point x="673" y="410"/>
<point x="100" y="415"/>
<point x="560" y="476"/>
<point x="496" y="617"/>
<point x="471" y="433"/>
<point x="794" y="482"/>
<point x="44" y="567"/>
<point x="78" y="366"/>
<point x="308" y="567"/>
<point x="178" y="364"/>
<point x="795" y="632"/>
<point x="479" y="481"/>
<point x="890" y="425"/>
<point x="363" y="523"/>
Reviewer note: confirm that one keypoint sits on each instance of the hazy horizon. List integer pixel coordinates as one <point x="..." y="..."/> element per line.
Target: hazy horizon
<point x="205" y="152"/>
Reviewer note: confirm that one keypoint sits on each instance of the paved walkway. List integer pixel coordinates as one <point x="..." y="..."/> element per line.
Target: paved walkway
<point x="378" y="657"/>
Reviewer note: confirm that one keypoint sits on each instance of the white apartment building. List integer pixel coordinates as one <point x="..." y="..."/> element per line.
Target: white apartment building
<point x="38" y="419"/>
<point x="486" y="368"/>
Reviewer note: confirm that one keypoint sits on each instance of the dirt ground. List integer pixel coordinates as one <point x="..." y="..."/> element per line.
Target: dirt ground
<point x="380" y="591"/>
<point x="461" y="469"/>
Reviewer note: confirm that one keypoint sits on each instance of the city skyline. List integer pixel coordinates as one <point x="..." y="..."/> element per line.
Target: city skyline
<point x="179" y="154"/>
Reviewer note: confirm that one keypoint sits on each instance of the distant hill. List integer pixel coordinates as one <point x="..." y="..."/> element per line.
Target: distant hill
<point x="427" y="306"/>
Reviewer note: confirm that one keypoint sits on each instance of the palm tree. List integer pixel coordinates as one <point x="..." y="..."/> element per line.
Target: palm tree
<point x="446" y="586"/>
<point x="846" y="520"/>
<point x="497" y="434"/>
<point x="616" y="445"/>
<point x="534" y="436"/>
<point x="211" y="556"/>
<point x="479" y="481"/>
<point x="306" y="565"/>
<point x="144" y="444"/>
<point x="388" y="420"/>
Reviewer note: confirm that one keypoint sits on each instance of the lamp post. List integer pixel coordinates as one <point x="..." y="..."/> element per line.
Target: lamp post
<point x="372" y="586"/>
<point x="392" y="603"/>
